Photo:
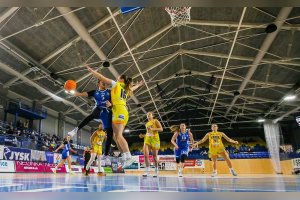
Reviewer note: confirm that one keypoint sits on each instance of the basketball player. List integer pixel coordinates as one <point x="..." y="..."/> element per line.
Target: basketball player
<point x="216" y="148"/>
<point x="151" y="142"/>
<point x="120" y="91"/>
<point x="97" y="140"/>
<point x="86" y="157"/>
<point x="65" y="154"/>
<point x="180" y="140"/>
<point x="102" y="110"/>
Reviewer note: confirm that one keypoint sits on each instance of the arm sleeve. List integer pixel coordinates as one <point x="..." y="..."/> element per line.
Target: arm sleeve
<point x="113" y="83"/>
<point x="91" y="93"/>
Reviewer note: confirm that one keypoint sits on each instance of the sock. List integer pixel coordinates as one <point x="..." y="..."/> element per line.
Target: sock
<point x="123" y="156"/>
<point x="148" y="170"/>
<point x="127" y="155"/>
<point x="179" y="169"/>
<point x="214" y="171"/>
<point x="99" y="164"/>
<point x="156" y="169"/>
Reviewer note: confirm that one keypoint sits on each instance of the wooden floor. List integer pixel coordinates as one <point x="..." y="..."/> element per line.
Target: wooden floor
<point x="168" y="182"/>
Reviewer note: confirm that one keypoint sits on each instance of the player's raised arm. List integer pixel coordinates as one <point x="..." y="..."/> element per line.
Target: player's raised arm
<point x="229" y="139"/>
<point x="99" y="76"/>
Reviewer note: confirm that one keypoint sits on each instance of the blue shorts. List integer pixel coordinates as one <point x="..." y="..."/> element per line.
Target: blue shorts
<point x="106" y="117"/>
<point x="181" y="151"/>
<point x="65" y="154"/>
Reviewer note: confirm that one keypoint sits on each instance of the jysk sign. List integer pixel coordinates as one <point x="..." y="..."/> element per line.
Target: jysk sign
<point x="11" y="153"/>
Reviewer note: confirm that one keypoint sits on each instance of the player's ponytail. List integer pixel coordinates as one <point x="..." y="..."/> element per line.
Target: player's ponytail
<point x="127" y="82"/>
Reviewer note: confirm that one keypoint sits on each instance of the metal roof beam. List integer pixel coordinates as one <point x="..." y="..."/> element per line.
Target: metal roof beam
<point x="234" y="24"/>
<point x="77" y="38"/>
<point x="283" y="14"/>
<point x="75" y="23"/>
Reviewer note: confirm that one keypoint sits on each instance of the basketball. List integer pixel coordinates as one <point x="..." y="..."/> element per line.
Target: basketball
<point x="70" y="85"/>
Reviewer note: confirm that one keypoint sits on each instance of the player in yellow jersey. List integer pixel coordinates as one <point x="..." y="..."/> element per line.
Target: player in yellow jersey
<point x="97" y="140"/>
<point x="216" y="148"/>
<point x="120" y="91"/>
<point x="152" y="142"/>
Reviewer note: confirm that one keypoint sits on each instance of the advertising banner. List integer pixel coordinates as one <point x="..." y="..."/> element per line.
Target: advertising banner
<point x="49" y="168"/>
<point x="7" y="166"/>
<point x="189" y="163"/>
<point x="1" y="152"/>
<point x="296" y="163"/>
<point x="75" y="168"/>
<point x="142" y="159"/>
<point x="199" y="164"/>
<point x="49" y="157"/>
<point x="38" y="156"/>
<point x="30" y="167"/>
<point x="167" y="166"/>
<point x="12" y="153"/>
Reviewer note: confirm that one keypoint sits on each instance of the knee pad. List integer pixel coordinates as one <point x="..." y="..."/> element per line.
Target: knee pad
<point x="177" y="160"/>
<point x="183" y="157"/>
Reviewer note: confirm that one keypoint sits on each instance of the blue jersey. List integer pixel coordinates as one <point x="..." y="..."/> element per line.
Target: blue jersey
<point x="67" y="146"/>
<point x="66" y="150"/>
<point x="182" y="140"/>
<point x="100" y="97"/>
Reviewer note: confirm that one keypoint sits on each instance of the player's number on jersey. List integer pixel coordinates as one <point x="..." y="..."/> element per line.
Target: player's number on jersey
<point x="123" y="94"/>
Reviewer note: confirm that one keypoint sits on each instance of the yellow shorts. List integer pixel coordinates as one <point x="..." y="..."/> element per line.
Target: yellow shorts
<point x="153" y="141"/>
<point x="216" y="150"/>
<point x="97" y="149"/>
<point x="120" y="114"/>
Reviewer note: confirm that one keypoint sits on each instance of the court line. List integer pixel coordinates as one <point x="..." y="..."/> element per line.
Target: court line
<point x="50" y="189"/>
<point x="10" y="185"/>
<point x="255" y="190"/>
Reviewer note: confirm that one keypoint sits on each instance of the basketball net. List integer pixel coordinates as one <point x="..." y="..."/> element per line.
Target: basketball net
<point x="179" y="15"/>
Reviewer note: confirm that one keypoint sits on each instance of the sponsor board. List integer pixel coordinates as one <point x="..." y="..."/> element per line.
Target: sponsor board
<point x="189" y="163"/>
<point x="141" y="159"/>
<point x="74" y="168"/>
<point x="199" y="164"/>
<point x="1" y="152"/>
<point x="7" y="166"/>
<point x="30" y="167"/>
<point x="296" y="163"/>
<point x="166" y="158"/>
<point x="50" y="157"/>
<point x="12" y="153"/>
<point x="49" y="168"/>
<point x="38" y="156"/>
<point x="167" y="166"/>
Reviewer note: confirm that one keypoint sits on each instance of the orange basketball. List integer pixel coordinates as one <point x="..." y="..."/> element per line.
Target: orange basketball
<point x="70" y="85"/>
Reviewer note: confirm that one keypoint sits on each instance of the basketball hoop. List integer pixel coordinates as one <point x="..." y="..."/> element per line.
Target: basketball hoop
<point x="179" y="15"/>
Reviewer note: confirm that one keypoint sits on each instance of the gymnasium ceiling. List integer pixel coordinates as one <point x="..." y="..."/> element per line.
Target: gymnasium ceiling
<point x="183" y="66"/>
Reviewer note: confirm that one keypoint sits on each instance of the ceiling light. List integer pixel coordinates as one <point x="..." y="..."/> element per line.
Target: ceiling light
<point x="261" y="120"/>
<point x="289" y="98"/>
<point x="127" y="130"/>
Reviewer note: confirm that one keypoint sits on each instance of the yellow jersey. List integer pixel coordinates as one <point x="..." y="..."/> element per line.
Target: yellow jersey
<point x="151" y="124"/>
<point x="118" y="94"/>
<point x="215" y="140"/>
<point x="99" y="137"/>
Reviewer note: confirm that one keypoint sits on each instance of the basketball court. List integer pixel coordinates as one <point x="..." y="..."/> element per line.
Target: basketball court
<point x="136" y="183"/>
<point x="232" y="69"/>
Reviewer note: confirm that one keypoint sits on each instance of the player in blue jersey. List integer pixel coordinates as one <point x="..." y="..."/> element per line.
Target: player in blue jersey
<point x="101" y="111"/>
<point x="180" y="140"/>
<point x="65" y="154"/>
